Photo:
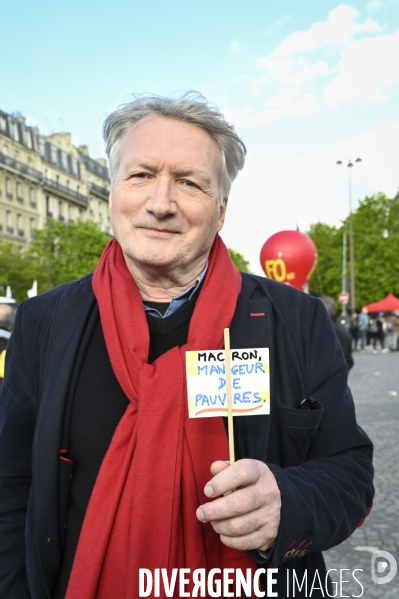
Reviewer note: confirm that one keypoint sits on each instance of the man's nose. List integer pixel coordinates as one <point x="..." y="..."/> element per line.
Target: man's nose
<point x="161" y="201"/>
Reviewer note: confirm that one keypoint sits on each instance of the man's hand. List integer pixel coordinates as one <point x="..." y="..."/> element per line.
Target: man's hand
<point x="248" y="517"/>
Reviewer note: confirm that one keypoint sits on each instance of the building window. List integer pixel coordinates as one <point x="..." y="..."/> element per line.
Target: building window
<point x="74" y="167"/>
<point x="42" y="146"/>
<point x="64" y="161"/>
<point x="10" y="229"/>
<point x="3" y="123"/>
<point x="16" y="155"/>
<point x="19" y="192"/>
<point x="49" y="206"/>
<point x="19" y="226"/>
<point x="60" y="206"/>
<point x="32" y="197"/>
<point x="32" y="227"/>
<point x="5" y="151"/>
<point x="8" y="189"/>
<point x="28" y="139"/>
<point x="54" y="155"/>
<point x="15" y="131"/>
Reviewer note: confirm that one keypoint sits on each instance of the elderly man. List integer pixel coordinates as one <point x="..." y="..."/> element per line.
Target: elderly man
<point x="102" y="472"/>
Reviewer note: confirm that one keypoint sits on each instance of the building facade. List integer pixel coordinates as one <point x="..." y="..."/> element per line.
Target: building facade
<point x="47" y="177"/>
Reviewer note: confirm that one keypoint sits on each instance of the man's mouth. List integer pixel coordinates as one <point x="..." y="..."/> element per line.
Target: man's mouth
<point x="158" y="232"/>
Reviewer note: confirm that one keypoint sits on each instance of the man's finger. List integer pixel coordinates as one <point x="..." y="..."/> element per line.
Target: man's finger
<point x="218" y="466"/>
<point x="240" y="474"/>
<point x="241" y="525"/>
<point x="234" y="504"/>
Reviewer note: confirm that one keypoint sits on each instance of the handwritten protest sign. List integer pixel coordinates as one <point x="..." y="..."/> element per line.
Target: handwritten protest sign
<point x="207" y="387"/>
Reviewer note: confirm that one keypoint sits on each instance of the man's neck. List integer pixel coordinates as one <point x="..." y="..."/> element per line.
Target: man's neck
<point x="163" y="286"/>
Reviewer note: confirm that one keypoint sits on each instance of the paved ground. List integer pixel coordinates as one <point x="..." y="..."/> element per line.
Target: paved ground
<point x="374" y="381"/>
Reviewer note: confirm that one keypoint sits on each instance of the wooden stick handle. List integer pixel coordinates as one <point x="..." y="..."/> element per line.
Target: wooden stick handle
<point x="229" y="395"/>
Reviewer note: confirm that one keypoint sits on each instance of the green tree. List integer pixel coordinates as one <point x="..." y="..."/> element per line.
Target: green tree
<point x="241" y="263"/>
<point x="18" y="270"/>
<point x="66" y="253"/>
<point x="376" y="234"/>
<point x="376" y="249"/>
<point x="326" y="279"/>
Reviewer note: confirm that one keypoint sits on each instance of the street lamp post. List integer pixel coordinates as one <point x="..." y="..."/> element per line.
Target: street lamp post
<point x="351" y="241"/>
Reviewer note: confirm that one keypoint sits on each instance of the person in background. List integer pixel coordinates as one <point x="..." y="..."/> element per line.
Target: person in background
<point x="354" y="329"/>
<point x="380" y="321"/>
<point x="343" y="335"/>
<point x="396" y="329"/>
<point x="363" y="328"/>
<point x="388" y="328"/>
<point x="372" y="332"/>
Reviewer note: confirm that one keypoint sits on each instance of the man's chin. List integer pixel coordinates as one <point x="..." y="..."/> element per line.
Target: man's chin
<point x="153" y="260"/>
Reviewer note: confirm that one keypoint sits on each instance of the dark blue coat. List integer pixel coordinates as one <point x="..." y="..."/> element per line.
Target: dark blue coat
<point x="320" y="458"/>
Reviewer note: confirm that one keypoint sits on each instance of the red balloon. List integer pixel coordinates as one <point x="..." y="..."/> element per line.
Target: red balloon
<point x="289" y="257"/>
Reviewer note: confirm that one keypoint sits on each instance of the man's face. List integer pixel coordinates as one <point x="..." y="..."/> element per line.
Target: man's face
<point x="164" y="201"/>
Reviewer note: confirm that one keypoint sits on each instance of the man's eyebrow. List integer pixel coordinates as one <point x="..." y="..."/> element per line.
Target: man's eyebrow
<point x="135" y="164"/>
<point x="200" y="174"/>
<point x="178" y="172"/>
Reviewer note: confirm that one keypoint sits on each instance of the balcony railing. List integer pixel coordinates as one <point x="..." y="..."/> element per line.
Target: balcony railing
<point x="65" y="190"/>
<point x="10" y="230"/>
<point x="23" y="169"/>
<point x="9" y="195"/>
<point x="61" y="217"/>
<point x="20" y="199"/>
<point x="98" y="190"/>
<point x="21" y="232"/>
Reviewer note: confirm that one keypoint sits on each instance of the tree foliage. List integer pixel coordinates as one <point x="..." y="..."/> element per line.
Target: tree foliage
<point x="376" y="249"/>
<point x="18" y="270"/>
<point x="67" y="253"/>
<point x="57" y="255"/>
<point x="241" y="263"/>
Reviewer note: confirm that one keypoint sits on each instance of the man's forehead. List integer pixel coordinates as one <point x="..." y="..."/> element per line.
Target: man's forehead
<point x="166" y="128"/>
<point x="153" y="141"/>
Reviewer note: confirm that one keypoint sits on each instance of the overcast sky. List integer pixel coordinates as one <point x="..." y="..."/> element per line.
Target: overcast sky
<point x="306" y="84"/>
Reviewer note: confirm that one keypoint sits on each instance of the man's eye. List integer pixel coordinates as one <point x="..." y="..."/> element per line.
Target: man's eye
<point x="139" y="175"/>
<point x="190" y="183"/>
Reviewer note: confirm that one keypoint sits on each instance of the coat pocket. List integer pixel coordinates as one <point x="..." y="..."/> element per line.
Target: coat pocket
<point x="297" y="431"/>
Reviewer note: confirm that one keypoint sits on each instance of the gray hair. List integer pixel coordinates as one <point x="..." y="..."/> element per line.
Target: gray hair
<point x="330" y="305"/>
<point x="191" y="107"/>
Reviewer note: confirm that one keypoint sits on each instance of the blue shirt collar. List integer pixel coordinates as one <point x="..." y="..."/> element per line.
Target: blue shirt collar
<point x="179" y="300"/>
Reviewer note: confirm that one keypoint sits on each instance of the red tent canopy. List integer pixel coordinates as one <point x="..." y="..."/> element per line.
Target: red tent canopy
<point x="388" y="304"/>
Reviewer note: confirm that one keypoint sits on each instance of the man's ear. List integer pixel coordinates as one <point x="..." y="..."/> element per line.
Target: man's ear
<point x="222" y="213"/>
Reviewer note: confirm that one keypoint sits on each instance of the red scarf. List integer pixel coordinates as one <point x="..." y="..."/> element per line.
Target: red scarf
<point x="141" y="513"/>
